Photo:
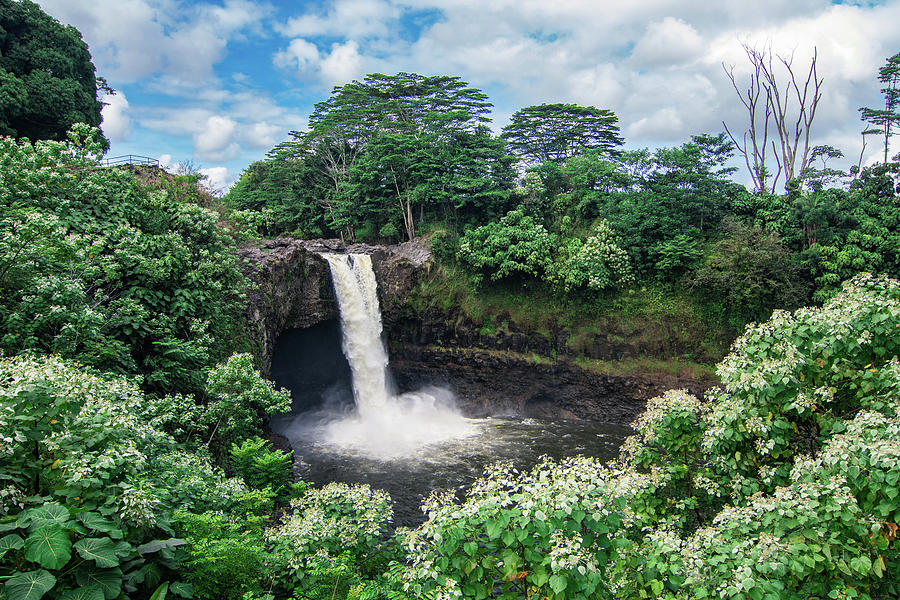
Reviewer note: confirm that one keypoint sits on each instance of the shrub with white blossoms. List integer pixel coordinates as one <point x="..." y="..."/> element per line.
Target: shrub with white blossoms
<point x="550" y="532"/>
<point x="597" y="264"/>
<point x="327" y="522"/>
<point x="782" y="484"/>
<point x="79" y="492"/>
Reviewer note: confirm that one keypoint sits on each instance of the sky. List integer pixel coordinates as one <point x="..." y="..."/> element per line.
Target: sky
<point x="218" y="83"/>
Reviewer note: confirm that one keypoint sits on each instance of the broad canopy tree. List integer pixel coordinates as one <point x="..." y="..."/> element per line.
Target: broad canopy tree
<point x="47" y="80"/>
<point x="393" y="148"/>
<point x="556" y="132"/>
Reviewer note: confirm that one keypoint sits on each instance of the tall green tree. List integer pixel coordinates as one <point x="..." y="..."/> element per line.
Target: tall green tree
<point x="386" y="153"/>
<point x="886" y="120"/>
<point x="556" y="132"/>
<point x="47" y="80"/>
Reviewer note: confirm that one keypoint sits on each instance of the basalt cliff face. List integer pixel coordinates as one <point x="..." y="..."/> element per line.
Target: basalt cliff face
<point x="292" y="286"/>
<point x="493" y="374"/>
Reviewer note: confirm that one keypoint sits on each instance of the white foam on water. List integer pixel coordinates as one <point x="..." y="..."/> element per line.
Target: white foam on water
<point x="383" y="425"/>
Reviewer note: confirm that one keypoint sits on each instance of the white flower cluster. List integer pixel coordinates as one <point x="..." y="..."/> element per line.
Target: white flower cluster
<point x="567" y="552"/>
<point x="103" y="464"/>
<point x="11" y="499"/>
<point x="604" y="261"/>
<point x="8" y="435"/>
<point x="807" y="401"/>
<point x="741" y="546"/>
<point x="871" y="443"/>
<point x="137" y="506"/>
<point x="660" y="411"/>
<point x="332" y="519"/>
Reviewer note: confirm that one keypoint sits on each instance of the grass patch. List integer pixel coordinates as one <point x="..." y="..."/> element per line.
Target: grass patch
<point x="656" y="320"/>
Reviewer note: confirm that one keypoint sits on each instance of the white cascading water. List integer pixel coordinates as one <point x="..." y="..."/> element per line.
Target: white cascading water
<point x="357" y="296"/>
<point x="384" y="425"/>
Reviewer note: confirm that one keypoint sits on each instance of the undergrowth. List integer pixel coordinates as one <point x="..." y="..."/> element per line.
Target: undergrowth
<point x="657" y="321"/>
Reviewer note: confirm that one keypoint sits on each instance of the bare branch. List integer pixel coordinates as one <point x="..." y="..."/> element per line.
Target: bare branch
<point x="792" y="133"/>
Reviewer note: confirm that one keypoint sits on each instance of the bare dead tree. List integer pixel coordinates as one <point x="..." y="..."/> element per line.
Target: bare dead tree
<point x="754" y="143"/>
<point x="781" y="105"/>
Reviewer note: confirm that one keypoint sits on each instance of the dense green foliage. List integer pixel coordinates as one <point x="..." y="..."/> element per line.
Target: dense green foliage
<point x="131" y="462"/>
<point x="108" y="273"/>
<point x="391" y="156"/>
<point x="383" y="156"/>
<point x="557" y="132"/>
<point x="130" y="278"/>
<point x="88" y="486"/>
<point x="47" y="80"/>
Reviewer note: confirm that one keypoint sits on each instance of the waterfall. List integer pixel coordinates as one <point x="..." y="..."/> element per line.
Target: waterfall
<point x="357" y="296"/>
<point x="383" y="425"/>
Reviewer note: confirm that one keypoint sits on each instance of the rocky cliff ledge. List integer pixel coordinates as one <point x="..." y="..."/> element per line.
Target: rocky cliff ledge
<point x="490" y="383"/>
<point x="292" y="284"/>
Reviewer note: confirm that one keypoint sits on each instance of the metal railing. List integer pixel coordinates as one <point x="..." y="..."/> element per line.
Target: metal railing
<point x="129" y="159"/>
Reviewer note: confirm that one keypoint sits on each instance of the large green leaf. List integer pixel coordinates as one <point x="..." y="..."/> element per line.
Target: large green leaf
<point x="179" y="588"/>
<point x="45" y="514"/>
<point x="10" y="542"/>
<point x="49" y="546"/>
<point x="29" y="586"/>
<point x="161" y="591"/>
<point x="100" y="550"/>
<point x="97" y="522"/>
<point x="8" y="523"/>
<point x="157" y="545"/>
<point x="91" y="592"/>
<point x="109" y="580"/>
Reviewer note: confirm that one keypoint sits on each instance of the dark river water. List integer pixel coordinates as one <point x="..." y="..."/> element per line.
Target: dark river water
<point x="310" y="363"/>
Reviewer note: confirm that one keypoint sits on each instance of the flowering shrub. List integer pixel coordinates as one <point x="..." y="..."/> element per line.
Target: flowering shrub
<point x="550" y="532"/>
<point x="783" y="483"/>
<point x="99" y="267"/>
<point x="597" y="264"/>
<point x="338" y="523"/>
<point x="80" y="496"/>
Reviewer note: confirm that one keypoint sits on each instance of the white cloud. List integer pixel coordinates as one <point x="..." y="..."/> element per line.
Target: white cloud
<point x="262" y="135"/>
<point x="218" y="179"/>
<point x="667" y="43"/>
<point x="132" y="40"/>
<point x="167" y="162"/>
<point x="342" y="65"/>
<point x="300" y="55"/>
<point x="664" y="124"/>
<point x="346" y="18"/>
<point x="215" y="141"/>
<point x="116" y="123"/>
<point x="656" y="63"/>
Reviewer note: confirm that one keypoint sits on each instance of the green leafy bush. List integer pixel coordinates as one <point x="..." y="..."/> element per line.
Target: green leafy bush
<point x="596" y="264"/>
<point x="226" y="555"/>
<point x="80" y="509"/>
<point x="332" y="526"/>
<point x="783" y="483"/>
<point x="124" y="276"/>
<point x="236" y="393"/>
<point x="260" y="466"/>
<point x="752" y="273"/>
<point x="515" y="246"/>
